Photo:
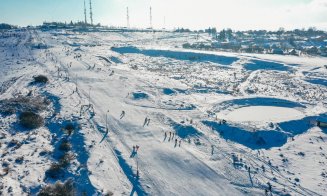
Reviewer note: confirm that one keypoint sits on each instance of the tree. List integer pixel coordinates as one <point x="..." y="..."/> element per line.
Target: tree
<point x="229" y="33"/>
<point x="280" y="31"/>
<point x="222" y="35"/>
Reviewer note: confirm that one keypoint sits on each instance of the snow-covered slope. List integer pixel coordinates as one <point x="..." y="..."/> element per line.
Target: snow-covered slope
<point x="205" y="123"/>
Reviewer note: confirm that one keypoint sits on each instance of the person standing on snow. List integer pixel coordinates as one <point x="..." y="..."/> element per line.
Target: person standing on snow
<point x="145" y="121"/>
<point x="122" y="114"/>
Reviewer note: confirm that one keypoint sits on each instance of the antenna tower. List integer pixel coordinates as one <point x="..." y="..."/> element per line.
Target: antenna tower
<point x="127" y="16"/>
<point x="85" y="21"/>
<point x="91" y="14"/>
<point x="151" y="17"/>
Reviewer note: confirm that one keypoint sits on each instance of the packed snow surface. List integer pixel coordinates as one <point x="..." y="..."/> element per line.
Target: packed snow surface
<point x="263" y="113"/>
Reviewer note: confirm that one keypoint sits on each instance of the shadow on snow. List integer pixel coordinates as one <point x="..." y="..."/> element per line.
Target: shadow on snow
<point x="179" y="55"/>
<point x="80" y="175"/>
<point x="265" y="65"/>
<point x="261" y="139"/>
<point x="257" y="101"/>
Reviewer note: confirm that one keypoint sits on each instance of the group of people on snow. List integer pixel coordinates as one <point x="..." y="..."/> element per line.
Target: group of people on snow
<point x="171" y="137"/>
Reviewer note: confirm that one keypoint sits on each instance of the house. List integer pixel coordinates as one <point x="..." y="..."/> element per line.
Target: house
<point x="293" y="52"/>
<point x="312" y="50"/>
<point x="246" y="49"/>
<point x="323" y="50"/>
<point x="322" y="122"/>
<point x="277" y="51"/>
<point x="257" y="49"/>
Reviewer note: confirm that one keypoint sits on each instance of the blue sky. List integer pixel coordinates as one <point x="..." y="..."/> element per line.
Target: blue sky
<point x="194" y="14"/>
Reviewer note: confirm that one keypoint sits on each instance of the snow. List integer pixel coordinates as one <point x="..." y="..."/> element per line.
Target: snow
<point x="263" y="113"/>
<point x="269" y="104"/>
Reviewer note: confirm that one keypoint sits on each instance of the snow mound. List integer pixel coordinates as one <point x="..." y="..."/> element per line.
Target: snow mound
<point x="185" y="131"/>
<point x="261" y="139"/>
<point x="176" y="105"/>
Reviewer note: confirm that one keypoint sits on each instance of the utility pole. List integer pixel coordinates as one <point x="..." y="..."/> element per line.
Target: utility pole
<point x="85" y="21"/>
<point x="137" y="167"/>
<point x="91" y="14"/>
<point x="127" y="17"/>
<point x="150" y="17"/>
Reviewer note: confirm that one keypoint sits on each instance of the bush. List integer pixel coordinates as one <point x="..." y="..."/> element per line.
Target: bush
<point x="20" y="104"/>
<point x="30" y="120"/>
<point x="40" y="79"/>
<point x="65" y="146"/>
<point x="109" y="193"/>
<point x="55" y="170"/>
<point x="70" y="128"/>
<point x="59" y="189"/>
<point x="65" y="160"/>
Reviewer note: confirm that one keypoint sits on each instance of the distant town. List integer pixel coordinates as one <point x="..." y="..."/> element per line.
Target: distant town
<point x="298" y="42"/>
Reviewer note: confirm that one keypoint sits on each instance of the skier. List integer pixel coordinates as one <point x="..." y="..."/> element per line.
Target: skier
<point x="165" y="134"/>
<point x="137" y="147"/>
<point x="169" y="134"/>
<point x="122" y="114"/>
<point x="175" y="141"/>
<point x="148" y="122"/>
<point x="269" y="187"/>
<point x="133" y="148"/>
<point x="180" y="141"/>
<point x="145" y="121"/>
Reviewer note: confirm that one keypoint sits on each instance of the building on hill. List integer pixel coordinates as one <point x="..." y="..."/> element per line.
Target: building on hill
<point x="312" y="50"/>
<point x="293" y="52"/>
<point x="322" y="50"/>
<point x="322" y="122"/>
<point x="277" y="51"/>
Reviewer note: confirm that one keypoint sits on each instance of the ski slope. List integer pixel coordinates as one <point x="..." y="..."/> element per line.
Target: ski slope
<point x="220" y="123"/>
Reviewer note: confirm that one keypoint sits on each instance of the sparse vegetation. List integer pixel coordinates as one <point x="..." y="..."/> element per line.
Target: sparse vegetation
<point x="65" y="160"/>
<point x="40" y="79"/>
<point x="20" y="104"/>
<point x="69" y="128"/>
<point x="109" y="193"/>
<point x="65" y="146"/>
<point x="55" y="170"/>
<point x="59" y="189"/>
<point x="30" y="120"/>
